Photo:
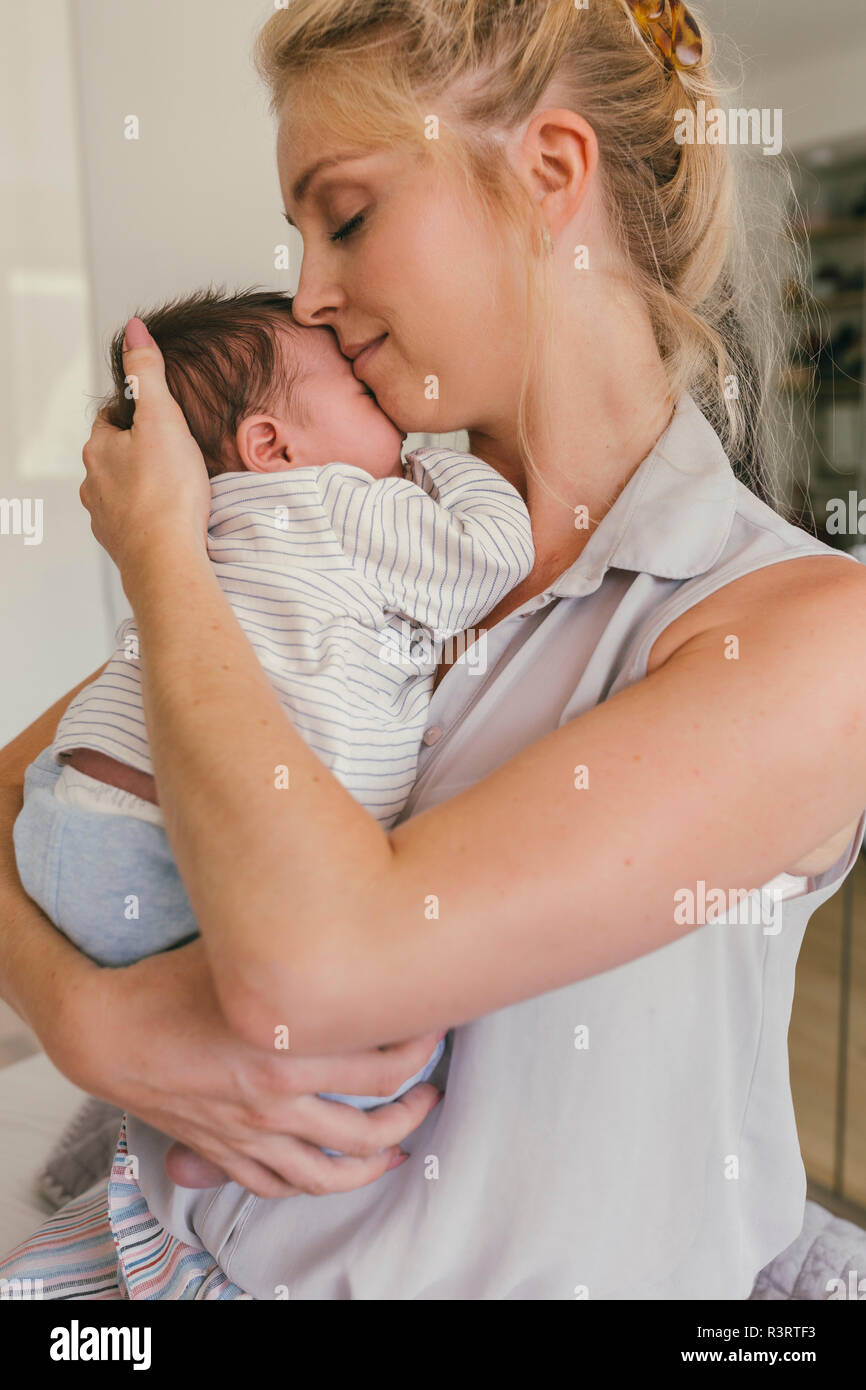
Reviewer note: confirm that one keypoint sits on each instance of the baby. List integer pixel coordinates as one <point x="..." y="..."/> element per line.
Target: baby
<point x="326" y="565"/>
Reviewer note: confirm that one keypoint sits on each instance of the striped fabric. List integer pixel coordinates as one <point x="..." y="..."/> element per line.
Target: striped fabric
<point x="330" y="572"/>
<point x="71" y="1256"/>
<point x="151" y="1262"/>
<point x="106" y="1245"/>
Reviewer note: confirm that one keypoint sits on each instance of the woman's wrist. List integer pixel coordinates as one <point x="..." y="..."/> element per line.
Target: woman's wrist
<point x="71" y="1021"/>
<point x="156" y="558"/>
<point x="55" y="989"/>
<point x="81" y="1039"/>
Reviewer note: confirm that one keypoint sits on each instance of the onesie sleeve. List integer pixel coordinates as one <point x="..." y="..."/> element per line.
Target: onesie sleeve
<point x="443" y="549"/>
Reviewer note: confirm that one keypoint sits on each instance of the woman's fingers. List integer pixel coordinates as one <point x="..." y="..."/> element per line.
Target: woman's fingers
<point x="367" y="1144"/>
<point x="136" y="334"/>
<point x="321" y="1174"/>
<point x="131" y="472"/>
<point x="101" y="435"/>
<point x="236" y="1167"/>
<point x="284" y="1167"/>
<point x="299" y="1167"/>
<point x="364" y="1133"/>
<point x="333" y="1124"/>
<point x="373" y="1072"/>
<point x="145" y="375"/>
<point x="189" y="1169"/>
<point x="101" y="429"/>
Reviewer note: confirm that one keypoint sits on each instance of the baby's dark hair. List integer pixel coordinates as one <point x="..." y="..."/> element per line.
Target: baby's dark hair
<point x="223" y="361"/>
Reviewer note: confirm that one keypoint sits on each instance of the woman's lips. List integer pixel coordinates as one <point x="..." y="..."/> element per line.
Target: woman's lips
<point x="364" y="357"/>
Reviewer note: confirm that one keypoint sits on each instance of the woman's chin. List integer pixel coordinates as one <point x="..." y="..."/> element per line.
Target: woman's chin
<point x="407" y="419"/>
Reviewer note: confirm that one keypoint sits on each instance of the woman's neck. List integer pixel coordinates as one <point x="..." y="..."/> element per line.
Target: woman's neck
<point x="600" y="436"/>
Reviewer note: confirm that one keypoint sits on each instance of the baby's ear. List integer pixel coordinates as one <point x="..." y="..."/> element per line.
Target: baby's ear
<point x="263" y="444"/>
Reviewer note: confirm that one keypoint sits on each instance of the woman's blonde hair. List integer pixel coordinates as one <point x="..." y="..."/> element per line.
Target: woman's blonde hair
<point x="374" y="73"/>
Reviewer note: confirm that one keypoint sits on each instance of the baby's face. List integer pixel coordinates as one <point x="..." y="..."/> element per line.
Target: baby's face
<point x="346" y="425"/>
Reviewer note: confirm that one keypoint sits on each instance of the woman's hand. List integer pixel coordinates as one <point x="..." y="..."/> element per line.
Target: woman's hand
<point x="152" y="478"/>
<point x="253" y="1116"/>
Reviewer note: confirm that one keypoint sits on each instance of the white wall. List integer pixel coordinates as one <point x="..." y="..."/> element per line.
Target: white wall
<point x="195" y="199"/>
<point x="822" y="97"/>
<point x="52" y="613"/>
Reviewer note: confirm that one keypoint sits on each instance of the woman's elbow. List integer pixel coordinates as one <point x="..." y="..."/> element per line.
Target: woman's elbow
<point x="276" y="1007"/>
<point x="256" y="1004"/>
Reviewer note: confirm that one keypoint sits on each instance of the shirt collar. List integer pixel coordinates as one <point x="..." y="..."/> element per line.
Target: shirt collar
<point x="672" y="518"/>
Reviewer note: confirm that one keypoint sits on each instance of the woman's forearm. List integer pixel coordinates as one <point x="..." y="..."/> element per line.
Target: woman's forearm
<point x="268" y="842"/>
<point x="321" y="922"/>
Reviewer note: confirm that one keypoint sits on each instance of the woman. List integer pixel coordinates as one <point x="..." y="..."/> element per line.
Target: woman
<point x="503" y="233"/>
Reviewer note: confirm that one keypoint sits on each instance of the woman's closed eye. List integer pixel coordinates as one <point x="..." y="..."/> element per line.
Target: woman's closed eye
<point x="348" y="227"/>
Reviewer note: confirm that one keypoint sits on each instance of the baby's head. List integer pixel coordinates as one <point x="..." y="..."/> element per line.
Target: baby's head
<point x="260" y="392"/>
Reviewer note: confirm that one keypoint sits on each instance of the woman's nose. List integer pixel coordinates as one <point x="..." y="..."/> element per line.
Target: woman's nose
<point x="317" y="297"/>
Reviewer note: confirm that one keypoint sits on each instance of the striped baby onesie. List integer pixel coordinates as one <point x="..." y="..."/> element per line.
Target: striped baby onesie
<point x="345" y="585"/>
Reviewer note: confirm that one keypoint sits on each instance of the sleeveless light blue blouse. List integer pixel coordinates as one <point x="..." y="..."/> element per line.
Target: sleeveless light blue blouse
<point x="661" y="1161"/>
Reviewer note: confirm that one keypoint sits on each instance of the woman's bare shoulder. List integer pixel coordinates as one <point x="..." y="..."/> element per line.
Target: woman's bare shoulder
<point x="829" y="585"/>
<point x="827" y="590"/>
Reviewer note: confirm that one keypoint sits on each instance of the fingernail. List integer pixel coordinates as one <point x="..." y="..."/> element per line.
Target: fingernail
<point x="397" y="1160"/>
<point x="136" y="334"/>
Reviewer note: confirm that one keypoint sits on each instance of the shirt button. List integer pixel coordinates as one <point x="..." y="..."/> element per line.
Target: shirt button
<point x="431" y="735"/>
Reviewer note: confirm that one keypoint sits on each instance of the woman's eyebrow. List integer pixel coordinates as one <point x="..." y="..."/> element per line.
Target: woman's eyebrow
<point x="301" y="187"/>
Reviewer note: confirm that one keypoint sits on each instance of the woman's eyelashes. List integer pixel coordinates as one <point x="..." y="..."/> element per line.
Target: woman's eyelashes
<point x="348" y="227"/>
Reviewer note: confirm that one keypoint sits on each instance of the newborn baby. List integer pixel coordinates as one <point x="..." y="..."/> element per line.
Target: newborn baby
<point x="329" y="549"/>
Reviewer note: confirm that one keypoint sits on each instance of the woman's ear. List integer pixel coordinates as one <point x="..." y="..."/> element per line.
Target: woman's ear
<point x="557" y="160"/>
<point x="263" y="444"/>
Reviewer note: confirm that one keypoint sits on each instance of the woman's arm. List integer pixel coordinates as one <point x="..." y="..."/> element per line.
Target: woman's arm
<point x="16" y="757"/>
<point x="315" y="918"/>
<point x="252" y="1113"/>
<point x="34" y="958"/>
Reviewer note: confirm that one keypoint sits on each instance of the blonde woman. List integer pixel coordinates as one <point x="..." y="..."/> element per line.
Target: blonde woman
<point x="505" y="236"/>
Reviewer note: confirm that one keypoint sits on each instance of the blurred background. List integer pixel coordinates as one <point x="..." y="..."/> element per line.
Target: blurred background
<point x="98" y="224"/>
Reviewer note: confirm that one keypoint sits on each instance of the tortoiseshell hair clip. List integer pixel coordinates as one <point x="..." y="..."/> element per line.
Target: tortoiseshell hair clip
<point x="670" y="26"/>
